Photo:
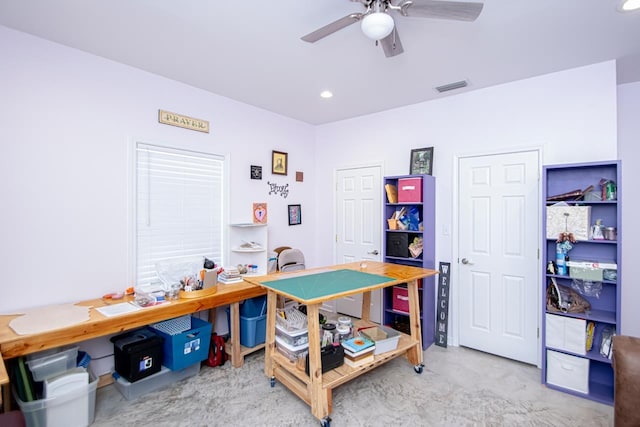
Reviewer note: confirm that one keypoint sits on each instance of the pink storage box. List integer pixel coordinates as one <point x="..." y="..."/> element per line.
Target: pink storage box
<point x="410" y="190"/>
<point x="400" y="299"/>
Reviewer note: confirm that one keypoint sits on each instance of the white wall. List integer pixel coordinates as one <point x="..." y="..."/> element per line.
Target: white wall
<point x="65" y="143"/>
<point x="66" y="120"/>
<point x="571" y="115"/>
<point x="628" y="141"/>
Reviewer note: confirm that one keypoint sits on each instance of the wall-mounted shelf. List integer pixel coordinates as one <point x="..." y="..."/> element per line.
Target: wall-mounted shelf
<point x="246" y="234"/>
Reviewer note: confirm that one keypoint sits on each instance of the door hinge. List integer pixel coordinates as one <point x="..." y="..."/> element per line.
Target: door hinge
<point x="538" y="253"/>
<point x="538" y="332"/>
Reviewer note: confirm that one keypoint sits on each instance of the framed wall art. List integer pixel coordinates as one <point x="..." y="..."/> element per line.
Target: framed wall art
<point x="279" y="163"/>
<point x="256" y="172"/>
<point x="295" y="215"/>
<point x="421" y="161"/>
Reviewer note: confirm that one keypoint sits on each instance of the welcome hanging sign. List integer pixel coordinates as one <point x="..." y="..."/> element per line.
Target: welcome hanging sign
<point x="173" y="119"/>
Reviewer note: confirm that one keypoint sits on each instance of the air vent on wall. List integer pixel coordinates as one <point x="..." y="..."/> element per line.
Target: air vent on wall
<point x="452" y="86"/>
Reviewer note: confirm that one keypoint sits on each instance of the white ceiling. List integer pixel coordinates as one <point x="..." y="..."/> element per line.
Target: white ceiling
<point x="251" y="50"/>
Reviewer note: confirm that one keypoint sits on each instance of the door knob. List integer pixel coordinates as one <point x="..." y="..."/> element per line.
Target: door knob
<point x="373" y="252"/>
<point x="466" y="261"/>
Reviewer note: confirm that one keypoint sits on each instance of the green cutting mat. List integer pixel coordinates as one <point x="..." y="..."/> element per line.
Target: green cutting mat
<point x="320" y="285"/>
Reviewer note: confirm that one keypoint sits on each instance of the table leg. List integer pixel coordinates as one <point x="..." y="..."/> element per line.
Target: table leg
<point x="414" y="354"/>
<point x="4" y="384"/>
<point x="366" y="306"/>
<point x="234" y="329"/>
<point x="270" y="340"/>
<point x="319" y="397"/>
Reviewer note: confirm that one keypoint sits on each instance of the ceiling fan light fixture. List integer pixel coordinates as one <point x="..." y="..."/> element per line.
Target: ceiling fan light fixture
<point x="377" y="25"/>
<point x="628" y="5"/>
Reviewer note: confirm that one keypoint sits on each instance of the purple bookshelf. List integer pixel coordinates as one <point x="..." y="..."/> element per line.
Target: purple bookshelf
<point x="592" y="375"/>
<point x="394" y="245"/>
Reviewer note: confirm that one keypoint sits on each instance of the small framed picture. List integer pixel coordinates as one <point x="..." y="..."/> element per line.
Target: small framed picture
<point x="421" y="161"/>
<point x="256" y="172"/>
<point x="279" y="163"/>
<point x="295" y="215"/>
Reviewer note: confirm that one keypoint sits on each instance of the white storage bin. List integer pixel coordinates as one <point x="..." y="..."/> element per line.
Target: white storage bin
<point x="154" y="382"/>
<point x="291" y="352"/>
<point x="293" y="338"/>
<point x="51" y="362"/>
<point x="566" y="333"/>
<point x="75" y="408"/>
<point x="566" y="371"/>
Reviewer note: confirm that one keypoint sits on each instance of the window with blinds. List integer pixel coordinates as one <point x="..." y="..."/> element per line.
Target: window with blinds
<point x="179" y="206"/>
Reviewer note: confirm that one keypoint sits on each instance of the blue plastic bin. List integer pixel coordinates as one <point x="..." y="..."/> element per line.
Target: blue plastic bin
<point x="188" y="347"/>
<point x="253" y="330"/>
<point x="254" y="307"/>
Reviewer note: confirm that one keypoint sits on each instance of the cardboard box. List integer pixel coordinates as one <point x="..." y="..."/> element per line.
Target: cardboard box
<point x="410" y="190"/>
<point x="571" y="219"/>
<point x="589" y="270"/>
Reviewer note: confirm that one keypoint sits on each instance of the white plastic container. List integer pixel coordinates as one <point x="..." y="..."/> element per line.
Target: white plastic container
<point x="154" y="382"/>
<point x="62" y="410"/>
<point x="52" y="362"/>
<point x="293" y="338"/>
<point x="293" y="353"/>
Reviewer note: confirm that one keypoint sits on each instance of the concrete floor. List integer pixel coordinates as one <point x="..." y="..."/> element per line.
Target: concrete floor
<point x="459" y="387"/>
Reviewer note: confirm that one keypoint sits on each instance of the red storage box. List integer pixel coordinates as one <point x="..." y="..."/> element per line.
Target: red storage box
<point x="400" y="299"/>
<point x="410" y="190"/>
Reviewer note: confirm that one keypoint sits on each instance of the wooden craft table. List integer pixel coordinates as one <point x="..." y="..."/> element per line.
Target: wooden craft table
<point x="13" y="345"/>
<point x="313" y="287"/>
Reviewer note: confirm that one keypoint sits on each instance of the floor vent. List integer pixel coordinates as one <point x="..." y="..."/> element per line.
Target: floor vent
<point x="452" y="86"/>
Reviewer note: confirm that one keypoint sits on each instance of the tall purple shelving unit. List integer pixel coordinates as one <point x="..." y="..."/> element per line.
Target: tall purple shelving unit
<point x="427" y="210"/>
<point x="591" y="367"/>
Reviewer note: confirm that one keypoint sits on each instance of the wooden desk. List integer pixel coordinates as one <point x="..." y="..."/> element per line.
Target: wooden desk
<point x="14" y="345"/>
<point x="312" y="287"/>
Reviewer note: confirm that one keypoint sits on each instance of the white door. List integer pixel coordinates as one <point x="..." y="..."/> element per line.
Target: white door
<point x="359" y="228"/>
<point x="498" y="240"/>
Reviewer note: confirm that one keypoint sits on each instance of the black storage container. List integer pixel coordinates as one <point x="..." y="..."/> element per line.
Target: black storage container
<point x="398" y="245"/>
<point x="331" y="355"/>
<point x="137" y="354"/>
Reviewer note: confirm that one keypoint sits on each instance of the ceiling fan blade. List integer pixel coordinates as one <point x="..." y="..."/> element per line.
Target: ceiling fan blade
<point x="454" y="10"/>
<point x="391" y="44"/>
<point x="332" y="27"/>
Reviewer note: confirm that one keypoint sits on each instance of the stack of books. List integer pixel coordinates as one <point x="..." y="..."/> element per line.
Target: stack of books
<point x="229" y="275"/>
<point x="358" y="351"/>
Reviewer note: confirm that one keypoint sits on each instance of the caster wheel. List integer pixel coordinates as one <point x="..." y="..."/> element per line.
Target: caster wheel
<point x="418" y="368"/>
<point x="325" y="422"/>
<point x="273" y="381"/>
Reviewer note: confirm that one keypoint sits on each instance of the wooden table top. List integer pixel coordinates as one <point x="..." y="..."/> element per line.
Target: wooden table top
<point x="14" y="345"/>
<point x="375" y="275"/>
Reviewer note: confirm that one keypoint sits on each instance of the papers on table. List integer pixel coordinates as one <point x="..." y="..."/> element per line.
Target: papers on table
<point x="118" y="309"/>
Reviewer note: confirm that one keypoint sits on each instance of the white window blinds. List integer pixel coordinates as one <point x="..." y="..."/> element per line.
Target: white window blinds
<point x="179" y="205"/>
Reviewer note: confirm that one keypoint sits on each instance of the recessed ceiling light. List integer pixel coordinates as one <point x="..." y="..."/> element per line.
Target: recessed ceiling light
<point x="326" y="94"/>
<point x="628" y="5"/>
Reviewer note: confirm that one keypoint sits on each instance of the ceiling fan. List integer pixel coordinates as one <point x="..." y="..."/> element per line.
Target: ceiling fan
<point x="378" y="25"/>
